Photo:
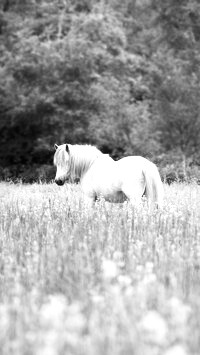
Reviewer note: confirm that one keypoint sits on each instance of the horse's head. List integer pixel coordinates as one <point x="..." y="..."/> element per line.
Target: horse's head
<point x="62" y="163"/>
<point x="73" y="161"/>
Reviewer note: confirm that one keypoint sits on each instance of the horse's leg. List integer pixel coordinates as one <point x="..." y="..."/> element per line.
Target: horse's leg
<point x="89" y="201"/>
<point x="88" y="193"/>
<point x="134" y="192"/>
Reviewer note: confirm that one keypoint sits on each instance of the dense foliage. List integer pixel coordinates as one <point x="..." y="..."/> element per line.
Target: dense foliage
<point x="121" y="75"/>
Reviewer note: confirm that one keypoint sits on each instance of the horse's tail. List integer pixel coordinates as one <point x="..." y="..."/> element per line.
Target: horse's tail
<point x="154" y="186"/>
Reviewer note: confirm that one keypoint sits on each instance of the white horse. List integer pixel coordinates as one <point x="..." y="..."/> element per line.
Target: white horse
<point x="99" y="175"/>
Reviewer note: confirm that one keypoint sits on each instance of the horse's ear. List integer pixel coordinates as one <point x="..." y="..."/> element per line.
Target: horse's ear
<point x="56" y="146"/>
<point x="67" y="148"/>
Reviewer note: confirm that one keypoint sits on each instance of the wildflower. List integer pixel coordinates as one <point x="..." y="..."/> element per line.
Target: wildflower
<point x="176" y="350"/>
<point x="178" y="311"/>
<point x="149" y="279"/>
<point x="62" y="325"/>
<point x="109" y="268"/>
<point x="124" y="280"/>
<point x="154" y="328"/>
<point x="52" y="312"/>
<point x="4" y="321"/>
<point x="75" y="320"/>
<point x="149" y="267"/>
<point x="97" y="299"/>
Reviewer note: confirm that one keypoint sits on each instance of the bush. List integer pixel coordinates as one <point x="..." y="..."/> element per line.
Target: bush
<point x="35" y="173"/>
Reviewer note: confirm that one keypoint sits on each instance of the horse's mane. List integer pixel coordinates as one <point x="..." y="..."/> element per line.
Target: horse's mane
<point x="81" y="157"/>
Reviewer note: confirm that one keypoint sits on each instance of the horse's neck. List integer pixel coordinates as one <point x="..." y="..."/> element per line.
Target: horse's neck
<point x="103" y="162"/>
<point x="80" y="167"/>
<point x="105" y="157"/>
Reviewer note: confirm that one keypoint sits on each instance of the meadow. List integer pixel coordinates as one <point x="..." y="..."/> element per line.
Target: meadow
<point x="111" y="279"/>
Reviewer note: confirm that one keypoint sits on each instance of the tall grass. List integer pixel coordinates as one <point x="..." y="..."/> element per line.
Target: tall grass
<point x="104" y="280"/>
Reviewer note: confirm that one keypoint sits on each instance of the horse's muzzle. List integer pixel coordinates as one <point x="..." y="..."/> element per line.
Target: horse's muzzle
<point x="59" y="182"/>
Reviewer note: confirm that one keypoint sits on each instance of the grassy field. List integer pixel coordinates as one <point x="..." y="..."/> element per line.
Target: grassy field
<point x="108" y="280"/>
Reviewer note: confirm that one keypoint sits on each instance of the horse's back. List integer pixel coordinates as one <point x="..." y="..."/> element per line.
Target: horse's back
<point x="135" y="160"/>
<point x="108" y="172"/>
<point x="132" y="166"/>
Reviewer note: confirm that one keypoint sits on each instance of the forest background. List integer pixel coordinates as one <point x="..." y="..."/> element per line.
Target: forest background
<point x="122" y="75"/>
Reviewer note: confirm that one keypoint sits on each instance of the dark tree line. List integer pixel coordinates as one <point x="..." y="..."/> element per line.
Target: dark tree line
<point x="121" y="75"/>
